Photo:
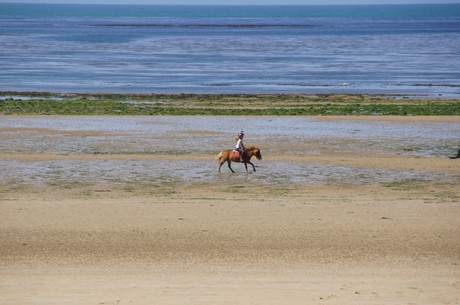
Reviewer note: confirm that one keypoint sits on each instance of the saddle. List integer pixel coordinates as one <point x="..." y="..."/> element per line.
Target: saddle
<point x="237" y="154"/>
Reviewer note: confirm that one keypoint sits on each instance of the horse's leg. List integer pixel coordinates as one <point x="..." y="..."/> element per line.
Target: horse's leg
<point x="246" y="166"/>
<point x="253" y="167"/>
<point x="220" y="165"/>
<point x="229" y="162"/>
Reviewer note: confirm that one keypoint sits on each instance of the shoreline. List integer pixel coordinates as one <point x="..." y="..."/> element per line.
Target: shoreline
<point x="52" y="94"/>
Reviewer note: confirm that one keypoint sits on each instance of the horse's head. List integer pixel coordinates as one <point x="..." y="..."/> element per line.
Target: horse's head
<point x="255" y="152"/>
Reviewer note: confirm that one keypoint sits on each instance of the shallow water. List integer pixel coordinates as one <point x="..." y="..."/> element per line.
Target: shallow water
<point x="158" y="172"/>
<point x="59" y="135"/>
<point x="153" y="136"/>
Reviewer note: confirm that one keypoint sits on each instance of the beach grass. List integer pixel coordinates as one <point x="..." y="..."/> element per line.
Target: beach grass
<point x="220" y="104"/>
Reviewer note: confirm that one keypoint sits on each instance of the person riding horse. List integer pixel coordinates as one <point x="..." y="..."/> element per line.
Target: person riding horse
<point x="240" y="146"/>
<point x="239" y="154"/>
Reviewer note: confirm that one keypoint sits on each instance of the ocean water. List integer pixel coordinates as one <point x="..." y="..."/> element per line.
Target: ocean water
<point x="387" y="49"/>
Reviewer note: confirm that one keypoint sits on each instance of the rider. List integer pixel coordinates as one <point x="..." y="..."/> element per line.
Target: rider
<point x="240" y="146"/>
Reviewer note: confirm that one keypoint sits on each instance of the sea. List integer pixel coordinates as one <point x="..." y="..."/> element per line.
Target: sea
<point x="409" y="50"/>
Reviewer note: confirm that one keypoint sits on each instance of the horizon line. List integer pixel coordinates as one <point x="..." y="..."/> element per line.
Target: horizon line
<point x="178" y="4"/>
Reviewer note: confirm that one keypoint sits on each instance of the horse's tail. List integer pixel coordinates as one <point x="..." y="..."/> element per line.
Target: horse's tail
<point x="219" y="156"/>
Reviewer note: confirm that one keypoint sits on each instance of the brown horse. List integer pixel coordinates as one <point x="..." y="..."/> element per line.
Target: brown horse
<point x="229" y="157"/>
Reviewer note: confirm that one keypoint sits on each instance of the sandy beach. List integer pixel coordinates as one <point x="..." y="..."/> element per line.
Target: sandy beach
<point x="336" y="213"/>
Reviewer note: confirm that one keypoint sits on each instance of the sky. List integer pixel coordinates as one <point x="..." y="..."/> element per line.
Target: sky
<point x="234" y="2"/>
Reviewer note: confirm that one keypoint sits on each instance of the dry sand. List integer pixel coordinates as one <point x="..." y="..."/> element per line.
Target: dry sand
<point x="234" y="243"/>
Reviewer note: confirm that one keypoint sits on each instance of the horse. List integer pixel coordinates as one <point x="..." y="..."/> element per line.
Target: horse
<point x="229" y="157"/>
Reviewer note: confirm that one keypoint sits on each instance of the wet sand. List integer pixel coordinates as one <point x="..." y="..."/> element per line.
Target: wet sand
<point x="366" y="219"/>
